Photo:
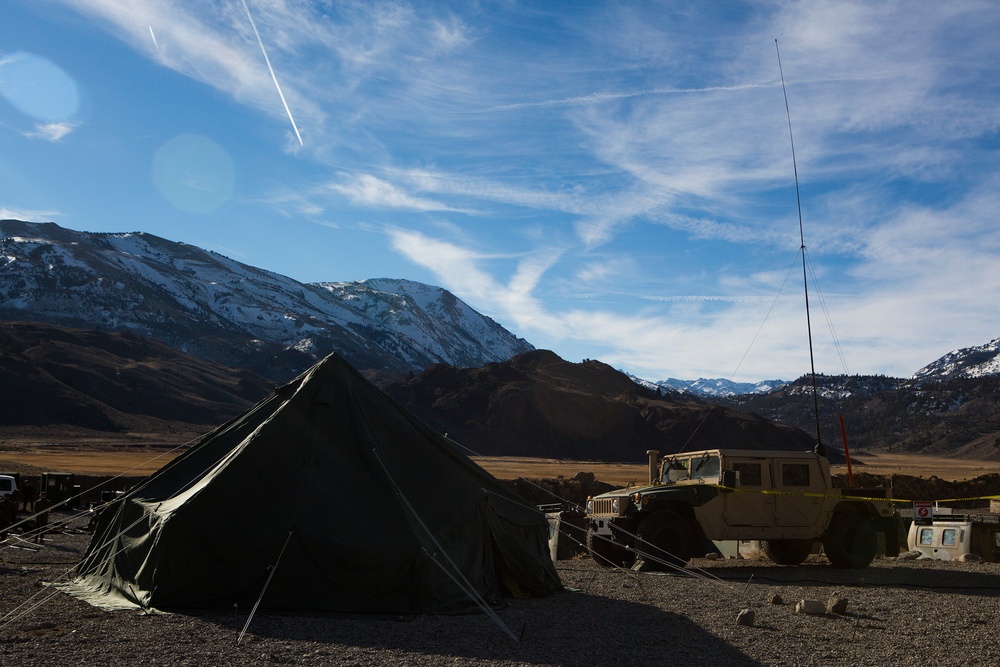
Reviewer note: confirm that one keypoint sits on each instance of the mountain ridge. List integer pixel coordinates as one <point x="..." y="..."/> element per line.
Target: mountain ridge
<point x="537" y="404"/>
<point x="952" y="417"/>
<point x="63" y="383"/>
<point x="713" y="387"/>
<point x="969" y="362"/>
<point x="204" y="303"/>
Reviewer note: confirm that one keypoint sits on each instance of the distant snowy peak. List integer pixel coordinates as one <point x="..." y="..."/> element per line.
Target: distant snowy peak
<point x="216" y="308"/>
<point x="715" y="387"/>
<point x="969" y="362"/>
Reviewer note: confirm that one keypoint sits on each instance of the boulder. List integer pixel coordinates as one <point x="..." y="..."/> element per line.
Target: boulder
<point x="836" y="605"/>
<point x="810" y="607"/>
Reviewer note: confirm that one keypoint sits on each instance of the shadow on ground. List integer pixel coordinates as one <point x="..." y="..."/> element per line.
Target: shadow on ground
<point x="569" y="628"/>
<point x="964" y="578"/>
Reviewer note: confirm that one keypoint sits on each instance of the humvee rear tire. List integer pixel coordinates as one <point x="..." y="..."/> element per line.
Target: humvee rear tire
<point x="850" y="541"/>
<point x="665" y="537"/>
<point x="786" y="552"/>
<point x="606" y="553"/>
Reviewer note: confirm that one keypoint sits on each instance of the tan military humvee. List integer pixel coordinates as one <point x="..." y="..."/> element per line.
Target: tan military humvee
<point x="784" y="499"/>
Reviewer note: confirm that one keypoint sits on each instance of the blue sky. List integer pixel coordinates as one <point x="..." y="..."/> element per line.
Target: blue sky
<point x="607" y="180"/>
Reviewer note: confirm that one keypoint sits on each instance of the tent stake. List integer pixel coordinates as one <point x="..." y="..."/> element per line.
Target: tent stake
<point x="264" y="590"/>
<point x="142" y="605"/>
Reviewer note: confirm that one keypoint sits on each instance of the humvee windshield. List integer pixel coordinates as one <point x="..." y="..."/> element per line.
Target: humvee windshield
<point x="698" y="467"/>
<point x="706" y="467"/>
<point x="675" y="470"/>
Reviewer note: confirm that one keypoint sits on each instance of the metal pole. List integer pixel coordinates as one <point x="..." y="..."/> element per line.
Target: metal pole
<point x="820" y="450"/>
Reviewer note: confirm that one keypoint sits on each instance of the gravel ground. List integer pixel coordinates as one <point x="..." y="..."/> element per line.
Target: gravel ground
<point x="899" y="613"/>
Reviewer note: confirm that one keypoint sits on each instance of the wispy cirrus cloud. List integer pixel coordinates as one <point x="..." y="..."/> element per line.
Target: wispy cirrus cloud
<point x="50" y="131"/>
<point x="628" y="339"/>
<point x="28" y="215"/>
<point x="369" y="190"/>
<point x="464" y="271"/>
<point x="215" y="45"/>
<point x="635" y="155"/>
<point x="607" y="97"/>
<point x="596" y="215"/>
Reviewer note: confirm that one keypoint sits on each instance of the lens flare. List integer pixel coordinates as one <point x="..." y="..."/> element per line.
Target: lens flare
<point x="38" y="88"/>
<point x="194" y="173"/>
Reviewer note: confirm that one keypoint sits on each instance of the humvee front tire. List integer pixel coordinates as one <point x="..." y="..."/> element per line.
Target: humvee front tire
<point x="786" y="552"/>
<point x="606" y="553"/>
<point x="665" y="537"/>
<point x="850" y="541"/>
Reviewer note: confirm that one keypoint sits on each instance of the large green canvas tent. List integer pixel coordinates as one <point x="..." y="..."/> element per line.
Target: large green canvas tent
<point x="327" y="497"/>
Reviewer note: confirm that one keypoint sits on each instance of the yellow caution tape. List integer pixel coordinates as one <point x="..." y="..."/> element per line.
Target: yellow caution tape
<point x="953" y="500"/>
<point x="801" y="494"/>
<point x="805" y="494"/>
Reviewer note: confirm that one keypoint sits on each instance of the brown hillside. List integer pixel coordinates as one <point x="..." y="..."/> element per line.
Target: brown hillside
<point x="537" y="404"/>
<point x="66" y="382"/>
<point x="958" y="417"/>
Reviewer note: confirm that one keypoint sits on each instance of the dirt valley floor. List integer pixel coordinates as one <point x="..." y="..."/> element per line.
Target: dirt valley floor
<point x="106" y="459"/>
<point x="898" y="613"/>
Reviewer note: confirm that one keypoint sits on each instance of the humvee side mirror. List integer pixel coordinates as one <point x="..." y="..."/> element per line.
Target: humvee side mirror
<point x="729" y="478"/>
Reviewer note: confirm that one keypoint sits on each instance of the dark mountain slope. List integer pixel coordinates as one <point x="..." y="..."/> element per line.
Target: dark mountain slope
<point x="952" y="417"/>
<point x="536" y="404"/>
<point x="64" y="380"/>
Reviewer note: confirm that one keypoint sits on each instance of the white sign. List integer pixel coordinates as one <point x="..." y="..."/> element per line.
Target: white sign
<point x="923" y="509"/>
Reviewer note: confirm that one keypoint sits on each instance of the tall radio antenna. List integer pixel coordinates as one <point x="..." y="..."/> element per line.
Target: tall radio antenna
<point x="802" y="246"/>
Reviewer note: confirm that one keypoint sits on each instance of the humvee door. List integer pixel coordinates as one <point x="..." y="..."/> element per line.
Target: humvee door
<point x="794" y="479"/>
<point x="746" y="506"/>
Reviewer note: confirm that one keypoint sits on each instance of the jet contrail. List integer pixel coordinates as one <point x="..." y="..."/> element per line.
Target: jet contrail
<point x="271" y="70"/>
<point x="153" y="35"/>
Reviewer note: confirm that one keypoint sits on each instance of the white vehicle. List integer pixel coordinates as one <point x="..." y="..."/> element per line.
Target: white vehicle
<point x="951" y="537"/>
<point x="7" y="485"/>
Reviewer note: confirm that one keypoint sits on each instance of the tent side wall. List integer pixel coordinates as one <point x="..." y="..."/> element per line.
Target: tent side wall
<point x="369" y="509"/>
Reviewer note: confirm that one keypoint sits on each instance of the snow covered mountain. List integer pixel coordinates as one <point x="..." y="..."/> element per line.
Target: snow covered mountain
<point x="210" y="306"/>
<point x="969" y="362"/>
<point x="712" y="388"/>
<point x="717" y="387"/>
